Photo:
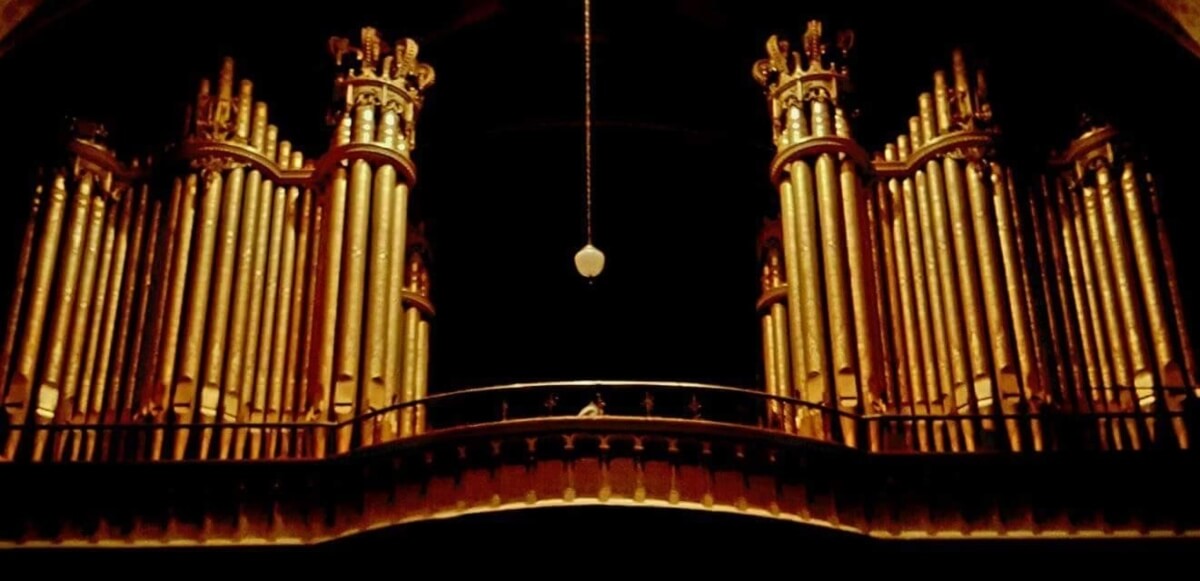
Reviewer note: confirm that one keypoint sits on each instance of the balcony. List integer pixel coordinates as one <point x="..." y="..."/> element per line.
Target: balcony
<point x="576" y="444"/>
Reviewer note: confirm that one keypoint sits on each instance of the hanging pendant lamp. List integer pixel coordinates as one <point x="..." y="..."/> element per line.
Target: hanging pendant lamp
<point x="589" y="261"/>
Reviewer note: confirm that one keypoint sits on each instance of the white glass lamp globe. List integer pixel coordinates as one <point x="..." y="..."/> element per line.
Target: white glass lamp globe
<point x="589" y="261"/>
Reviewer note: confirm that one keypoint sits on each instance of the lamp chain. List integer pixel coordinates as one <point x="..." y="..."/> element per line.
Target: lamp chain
<point x="587" y="112"/>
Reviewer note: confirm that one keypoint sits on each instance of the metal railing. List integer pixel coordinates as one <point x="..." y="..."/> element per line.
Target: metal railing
<point x="1048" y="429"/>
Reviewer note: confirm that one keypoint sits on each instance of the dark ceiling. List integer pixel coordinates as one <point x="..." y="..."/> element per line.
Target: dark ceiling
<point x="682" y="141"/>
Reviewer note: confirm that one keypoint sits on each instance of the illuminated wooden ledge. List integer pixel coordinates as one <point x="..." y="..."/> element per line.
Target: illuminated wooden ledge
<point x="542" y="463"/>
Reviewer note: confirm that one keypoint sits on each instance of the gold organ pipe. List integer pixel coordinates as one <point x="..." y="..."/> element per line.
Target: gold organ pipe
<point x="1068" y="350"/>
<point x="1169" y="371"/>
<point x="264" y="387"/>
<point x="175" y="298"/>
<point x="999" y="327"/>
<point x="887" y="221"/>
<point x="915" y="135"/>
<point x="1091" y="339"/>
<point x="780" y="360"/>
<point x="19" y="394"/>
<point x="1141" y="369"/>
<point x="1039" y="364"/>
<point x="769" y="350"/>
<point x="422" y="374"/>
<point x="134" y="298"/>
<point x="249" y="397"/>
<point x="941" y="98"/>
<point x="1168" y="263"/>
<point x="97" y="235"/>
<point x="862" y="291"/>
<point x="62" y="316"/>
<point x="915" y="192"/>
<point x="1094" y="230"/>
<point x="350" y="315"/>
<point x="332" y="269"/>
<point x="395" y="313"/>
<point x="271" y="142"/>
<point x="293" y="376"/>
<point x="92" y="404"/>
<point x="364" y="123"/>
<point x="1051" y="269"/>
<point x="153" y="273"/>
<point x="147" y="358"/>
<point x="388" y="128"/>
<point x="791" y="259"/>
<point x="310" y="394"/>
<point x="880" y="290"/>
<point x="907" y="351"/>
<point x="412" y="319"/>
<point x="374" y="393"/>
<point x="925" y="107"/>
<point x="769" y="347"/>
<point x="990" y="274"/>
<point x="1104" y="352"/>
<point x="279" y="382"/>
<point x="345" y="128"/>
<point x="200" y="286"/>
<point x="968" y="285"/>
<point x="913" y="293"/>
<point x="1113" y="316"/>
<point x="1012" y="256"/>
<point x="808" y="278"/>
<point x="224" y="92"/>
<point x="959" y="396"/>
<point x="779" y="334"/>
<point x="841" y="329"/>
<point x="217" y="315"/>
<point x="75" y="410"/>
<point x="14" y="310"/>
<point x="248" y="227"/>
<point x="940" y="385"/>
<point x="258" y="126"/>
<point x="1012" y="264"/>
<point x="1185" y="344"/>
<point x="245" y="108"/>
<point x="962" y="86"/>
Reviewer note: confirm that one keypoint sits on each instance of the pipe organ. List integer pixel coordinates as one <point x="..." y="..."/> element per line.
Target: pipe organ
<point x="949" y="304"/>
<point x="235" y="299"/>
<point x="1117" y="319"/>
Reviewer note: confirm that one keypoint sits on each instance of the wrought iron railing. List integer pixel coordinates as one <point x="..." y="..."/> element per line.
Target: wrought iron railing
<point x="695" y="404"/>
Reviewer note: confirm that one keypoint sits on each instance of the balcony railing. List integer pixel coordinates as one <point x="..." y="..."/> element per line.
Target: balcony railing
<point x="697" y="405"/>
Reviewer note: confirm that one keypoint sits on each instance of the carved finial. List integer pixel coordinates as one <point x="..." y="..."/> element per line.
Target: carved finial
<point x="376" y="58"/>
<point x="372" y="49"/>
<point x="389" y="77"/>
<point x="983" y="109"/>
<point x="417" y="75"/>
<point x="214" y="116"/>
<point x="814" y="44"/>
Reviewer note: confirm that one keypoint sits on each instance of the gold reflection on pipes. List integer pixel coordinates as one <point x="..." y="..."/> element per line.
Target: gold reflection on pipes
<point x="237" y="295"/>
<point x="928" y="291"/>
<point x="993" y="302"/>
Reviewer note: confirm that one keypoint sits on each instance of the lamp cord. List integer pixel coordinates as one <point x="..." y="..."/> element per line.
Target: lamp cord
<point x="587" y="113"/>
